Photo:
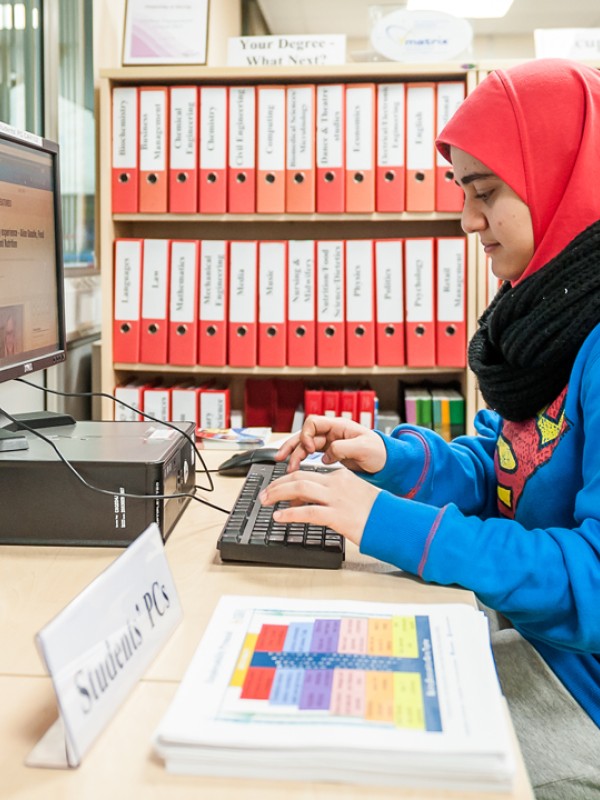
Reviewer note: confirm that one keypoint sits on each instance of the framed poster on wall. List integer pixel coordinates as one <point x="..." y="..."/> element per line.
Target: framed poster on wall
<point x="165" y="32"/>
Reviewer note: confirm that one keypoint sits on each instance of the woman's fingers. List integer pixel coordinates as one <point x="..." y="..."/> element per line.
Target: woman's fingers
<point x="287" y="447"/>
<point x="309" y="514"/>
<point x="311" y="439"/>
<point x="338" y="499"/>
<point x="296" y="487"/>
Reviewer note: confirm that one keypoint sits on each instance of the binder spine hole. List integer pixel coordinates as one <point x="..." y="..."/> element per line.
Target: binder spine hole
<point x="211" y="177"/>
<point x="241" y="331"/>
<point x="124" y="177"/>
<point x="298" y="178"/>
<point x="329" y="177"/>
<point x="240" y="177"/>
<point x="389" y="330"/>
<point x="270" y="178"/>
<point x="449" y="176"/>
<point x="181" y="177"/>
<point x="420" y="176"/>
<point x="152" y="178"/>
<point x="300" y="331"/>
<point x="153" y="328"/>
<point x="420" y="330"/>
<point x="358" y="177"/>
<point x="211" y="330"/>
<point x="271" y="331"/>
<point x="359" y="331"/>
<point x="450" y="330"/>
<point x="390" y="176"/>
<point x="125" y="327"/>
<point x="181" y="330"/>
<point x="330" y="331"/>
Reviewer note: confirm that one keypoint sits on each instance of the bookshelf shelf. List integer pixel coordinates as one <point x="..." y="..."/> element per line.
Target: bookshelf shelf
<point x="275" y="226"/>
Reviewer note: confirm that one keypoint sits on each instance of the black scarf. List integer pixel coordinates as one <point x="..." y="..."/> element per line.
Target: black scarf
<point x="529" y="336"/>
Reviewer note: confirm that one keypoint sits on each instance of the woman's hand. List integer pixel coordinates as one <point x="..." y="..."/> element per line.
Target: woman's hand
<point x="356" y="447"/>
<point x="337" y="499"/>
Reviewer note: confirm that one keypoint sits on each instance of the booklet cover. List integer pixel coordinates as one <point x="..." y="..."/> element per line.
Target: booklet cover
<point x="233" y="438"/>
<point x="399" y="695"/>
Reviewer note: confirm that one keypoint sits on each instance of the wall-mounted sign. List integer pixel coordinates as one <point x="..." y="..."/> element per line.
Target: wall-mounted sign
<point x="421" y="36"/>
<point x="578" y="43"/>
<point x="302" y="51"/>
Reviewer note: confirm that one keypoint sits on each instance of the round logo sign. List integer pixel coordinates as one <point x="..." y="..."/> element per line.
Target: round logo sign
<point x="421" y="36"/>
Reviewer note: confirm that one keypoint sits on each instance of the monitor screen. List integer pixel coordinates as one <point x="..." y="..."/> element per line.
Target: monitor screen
<point x="32" y="326"/>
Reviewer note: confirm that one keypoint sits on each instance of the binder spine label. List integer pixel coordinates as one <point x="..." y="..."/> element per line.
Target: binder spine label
<point x="213" y="410"/>
<point x="242" y="286"/>
<point x="299" y="128"/>
<point x="184" y="405"/>
<point x="212" y="281"/>
<point x="419" y="281"/>
<point x="359" y="281"/>
<point x="388" y="270"/>
<point x="184" y="127"/>
<point x="154" y="285"/>
<point x="301" y="289"/>
<point x="330" y="298"/>
<point x="127" y="280"/>
<point x="242" y="120"/>
<point x="420" y="128"/>
<point x="271" y="153"/>
<point x="449" y="96"/>
<point x="156" y="403"/>
<point x="330" y="129"/>
<point x="133" y="398"/>
<point x="390" y="124"/>
<point x="152" y="130"/>
<point x="450" y="280"/>
<point x="183" y="278"/>
<point x="271" y="283"/>
<point x="213" y="127"/>
<point x="124" y="127"/>
<point x="359" y="128"/>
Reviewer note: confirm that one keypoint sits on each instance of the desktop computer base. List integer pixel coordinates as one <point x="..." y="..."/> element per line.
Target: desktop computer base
<point x="43" y="502"/>
<point x="12" y="436"/>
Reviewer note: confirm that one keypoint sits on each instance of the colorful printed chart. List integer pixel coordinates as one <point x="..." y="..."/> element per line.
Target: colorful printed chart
<point x="376" y="669"/>
<point x="339" y="690"/>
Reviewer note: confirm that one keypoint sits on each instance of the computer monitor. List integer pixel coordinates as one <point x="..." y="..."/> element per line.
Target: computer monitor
<point x="32" y="307"/>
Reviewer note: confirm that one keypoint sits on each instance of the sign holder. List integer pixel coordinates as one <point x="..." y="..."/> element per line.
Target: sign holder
<point x="99" y="646"/>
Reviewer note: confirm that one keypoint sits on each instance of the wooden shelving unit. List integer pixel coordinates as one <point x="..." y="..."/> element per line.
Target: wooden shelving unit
<point x="285" y="226"/>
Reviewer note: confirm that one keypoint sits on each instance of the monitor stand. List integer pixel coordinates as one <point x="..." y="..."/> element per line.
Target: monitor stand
<point x="11" y="437"/>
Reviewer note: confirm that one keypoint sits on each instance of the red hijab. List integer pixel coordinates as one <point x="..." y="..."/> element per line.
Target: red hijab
<point x="537" y="126"/>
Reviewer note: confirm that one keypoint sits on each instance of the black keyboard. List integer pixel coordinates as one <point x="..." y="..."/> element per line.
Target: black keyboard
<point x="251" y="534"/>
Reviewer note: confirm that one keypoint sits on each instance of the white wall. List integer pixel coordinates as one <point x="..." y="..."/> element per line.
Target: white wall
<point x="500" y="47"/>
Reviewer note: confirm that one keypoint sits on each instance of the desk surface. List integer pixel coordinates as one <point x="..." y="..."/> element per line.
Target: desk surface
<point x="36" y="583"/>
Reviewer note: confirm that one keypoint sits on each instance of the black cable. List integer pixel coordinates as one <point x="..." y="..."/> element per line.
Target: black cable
<point x="111" y="493"/>
<point x="131" y="408"/>
<point x="212" y="505"/>
<point x="80" y="477"/>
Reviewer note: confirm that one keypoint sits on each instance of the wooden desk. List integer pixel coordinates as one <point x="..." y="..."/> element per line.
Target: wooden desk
<point x="36" y="583"/>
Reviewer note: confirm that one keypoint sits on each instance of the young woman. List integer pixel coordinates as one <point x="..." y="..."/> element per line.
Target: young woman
<point x="513" y="513"/>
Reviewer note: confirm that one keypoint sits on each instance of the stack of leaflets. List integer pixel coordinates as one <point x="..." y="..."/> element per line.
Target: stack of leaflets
<point x="233" y="438"/>
<point x="371" y="693"/>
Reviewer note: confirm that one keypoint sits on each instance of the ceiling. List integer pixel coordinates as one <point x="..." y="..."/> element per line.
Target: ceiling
<point x="352" y="16"/>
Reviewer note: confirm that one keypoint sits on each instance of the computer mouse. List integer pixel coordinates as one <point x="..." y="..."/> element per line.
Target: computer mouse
<point x="239" y="464"/>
